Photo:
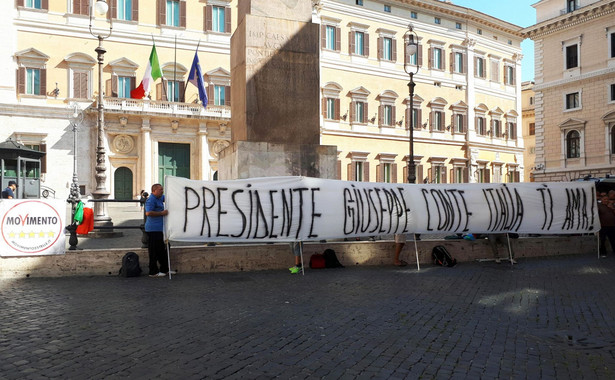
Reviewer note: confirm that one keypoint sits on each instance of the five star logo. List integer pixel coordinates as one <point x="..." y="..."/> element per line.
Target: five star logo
<point x="31" y="227"/>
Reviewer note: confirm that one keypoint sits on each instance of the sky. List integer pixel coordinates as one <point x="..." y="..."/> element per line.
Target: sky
<point x="518" y="12"/>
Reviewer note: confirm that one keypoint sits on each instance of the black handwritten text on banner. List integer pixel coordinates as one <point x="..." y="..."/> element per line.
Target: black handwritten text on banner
<point x="301" y="208"/>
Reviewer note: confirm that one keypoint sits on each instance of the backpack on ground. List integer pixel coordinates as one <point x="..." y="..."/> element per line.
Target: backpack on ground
<point x="317" y="261"/>
<point x="442" y="257"/>
<point x="130" y="265"/>
<point x="331" y="260"/>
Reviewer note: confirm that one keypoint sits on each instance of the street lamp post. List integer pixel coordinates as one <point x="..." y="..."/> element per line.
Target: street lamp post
<point x="411" y="40"/>
<point x="75" y="117"/>
<point x="100" y="208"/>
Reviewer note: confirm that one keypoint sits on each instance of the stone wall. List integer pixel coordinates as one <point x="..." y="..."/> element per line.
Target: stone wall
<point x="244" y="257"/>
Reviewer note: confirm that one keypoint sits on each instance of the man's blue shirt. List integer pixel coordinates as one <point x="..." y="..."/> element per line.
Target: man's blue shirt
<point x="154" y="223"/>
<point x="8" y="192"/>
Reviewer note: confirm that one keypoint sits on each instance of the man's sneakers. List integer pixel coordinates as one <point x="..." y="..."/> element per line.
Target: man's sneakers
<point x="294" y="270"/>
<point x="159" y="274"/>
<point x="171" y="272"/>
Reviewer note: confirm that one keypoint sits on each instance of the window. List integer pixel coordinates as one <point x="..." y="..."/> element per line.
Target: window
<point x="437" y="58"/>
<point x="479" y="31"/>
<point x="511" y="130"/>
<point x="218" y="19"/>
<point x="573" y="144"/>
<point x="572" y="101"/>
<point x="531" y="100"/>
<point x="437" y="20"/>
<point x="457" y="25"/>
<point x="413" y="15"/>
<point x="386" y="172"/>
<point x="173" y="91"/>
<point x="482" y="174"/>
<point x="80" y="85"/>
<point x="416" y="118"/>
<point x="612" y="93"/>
<point x="124" y="86"/>
<point x="330" y="37"/>
<point x="572" y="56"/>
<point x="613" y="140"/>
<point x="479" y="67"/>
<point x="33" y="4"/>
<point x="33" y="82"/>
<point x="459" y="123"/>
<point x="219" y="95"/>
<point x="572" y="5"/>
<point x="481" y="127"/>
<point x="438" y="121"/>
<point x="415" y="59"/>
<point x="81" y="7"/>
<point x="496" y="128"/>
<point x="509" y="75"/>
<point x="458" y="66"/>
<point x="124" y="9"/>
<point x="330" y="108"/>
<point x="532" y="129"/>
<point x="359" y="2"/>
<point x="387" y="8"/>
<point x="359" y="46"/>
<point x="510" y="42"/>
<point x="386" y="169"/>
<point x="172" y="13"/>
<point x="358" y="170"/>
<point x="360" y="110"/>
<point x="387" y="115"/>
<point x="437" y="173"/>
<point x="387" y="49"/>
<point x="612" y="39"/>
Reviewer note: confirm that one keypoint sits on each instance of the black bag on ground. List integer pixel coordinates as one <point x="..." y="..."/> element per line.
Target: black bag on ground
<point x="441" y="257"/>
<point x="130" y="265"/>
<point x="331" y="260"/>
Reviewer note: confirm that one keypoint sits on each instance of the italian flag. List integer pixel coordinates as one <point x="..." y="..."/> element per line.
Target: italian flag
<point x="152" y="72"/>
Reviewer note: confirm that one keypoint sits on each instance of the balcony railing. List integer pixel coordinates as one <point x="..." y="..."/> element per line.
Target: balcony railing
<point x="166" y="108"/>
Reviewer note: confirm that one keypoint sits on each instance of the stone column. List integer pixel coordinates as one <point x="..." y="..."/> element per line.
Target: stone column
<point x="203" y="149"/>
<point x="146" y="154"/>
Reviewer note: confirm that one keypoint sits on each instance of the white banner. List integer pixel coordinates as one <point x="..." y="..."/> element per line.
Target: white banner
<point x="32" y="227"/>
<point x="302" y="209"/>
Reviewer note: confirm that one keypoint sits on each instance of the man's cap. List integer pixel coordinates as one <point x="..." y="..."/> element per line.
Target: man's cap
<point x="12" y="183"/>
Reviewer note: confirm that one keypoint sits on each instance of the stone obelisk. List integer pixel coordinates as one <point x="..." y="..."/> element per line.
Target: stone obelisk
<point x="275" y="87"/>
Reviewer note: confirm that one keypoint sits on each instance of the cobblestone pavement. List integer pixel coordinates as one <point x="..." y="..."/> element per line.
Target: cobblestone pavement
<point x="543" y="318"/>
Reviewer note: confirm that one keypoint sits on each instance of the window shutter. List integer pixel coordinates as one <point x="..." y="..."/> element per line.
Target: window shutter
<point x="408" y="117"/>
<point x="21" y="80"/>
<point x="452" y="175"/>
<point x="487" y="176"/>
<point x="380" y="115"/>
<point x="430" y="58"/>
<point x="365" y="113"/>
<point x="210" y="94"/>
<point x="514" y="131"/>
<point x="20" y="3"/>
<point x="405" y="174"/>
<point x="76" y="85"/>
<point x="393" y="116"/>
<point x="112" y="8"/>
<point x="351" y="42"/>
<point x="323" y="36"/>
<point x="161" y="15"/>
<point x="453" y="126"/>
<point x="419" y="174"/>
<point x="466" y="176"/>
<point x="366" y="171"/>
<point x="406" y="54"/>
<point x="464" y="69"/>
<point x="44" y="4"/>
<point x="338" y="39"/>
<point x="430" y="175"/>
<point x="419" y="58"/>
<point x="84" y="85"/>
<point x="380" y="43"/>
<point x="114" y="86"/>
<point x="182" y="13"/>
<point x="43" y="148"/>
<point x="324" y="107"/>
<point x="108" y="87"/>
<point x="476" y="66"/>
<point x="394" y="49"/>
<point x="159" y="90"/>
<point x="452" y="62"/>
<point x="394" y="173"/>
<point x="353" y="116"/>
<point x="227" y="96"/>
<point x="182" y="92"/>
<point x="419" y="118"/>
<point x="516" y="176"/>
<point x="338" y="175"/>
<point x="366" y="41"/>
<point x="506" y="74"/>
<point x="443" y="58"/>
<point x="43" y="88"/>
<point x="135" y="10"/>
<point x="443" y="178"/>
<point x="350" y="171"/>
<point x="337" y="109"/>
<point x="431" y="121"/>
<point x="133" y="85"/>
<point x="227" y="20"/>
<point x="208" y="12"/>
<point x="379" y="173"/>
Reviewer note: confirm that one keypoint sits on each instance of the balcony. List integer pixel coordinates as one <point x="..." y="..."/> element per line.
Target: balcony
<point x="162" y="108"/>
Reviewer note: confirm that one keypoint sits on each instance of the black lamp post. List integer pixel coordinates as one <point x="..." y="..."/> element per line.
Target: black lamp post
<point x="411" y="40"/>
<point x="75" y="117"/>
<point x="100" y="208"/>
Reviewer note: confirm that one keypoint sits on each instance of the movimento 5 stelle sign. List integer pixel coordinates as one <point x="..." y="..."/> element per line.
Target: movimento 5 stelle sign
<point x="32" y="227"/>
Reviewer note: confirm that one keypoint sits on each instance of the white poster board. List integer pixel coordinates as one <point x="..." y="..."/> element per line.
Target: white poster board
<point x="32" y="227"/>
<point x="303" y="209"/>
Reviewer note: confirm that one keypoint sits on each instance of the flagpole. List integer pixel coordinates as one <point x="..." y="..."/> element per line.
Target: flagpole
<point x="188" y="80"/>
<point x="175" y="70"/>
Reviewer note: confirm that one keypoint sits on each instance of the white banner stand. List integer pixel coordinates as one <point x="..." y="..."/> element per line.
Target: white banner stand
<point x="416" y="252"/>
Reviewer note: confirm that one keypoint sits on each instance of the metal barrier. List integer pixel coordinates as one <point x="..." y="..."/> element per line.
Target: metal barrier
<point x="72" y="228"/>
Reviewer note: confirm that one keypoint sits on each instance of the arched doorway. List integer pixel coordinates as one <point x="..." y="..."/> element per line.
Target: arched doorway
<point x="123" y="183"/>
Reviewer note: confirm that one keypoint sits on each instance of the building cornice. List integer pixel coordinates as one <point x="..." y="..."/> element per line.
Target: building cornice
<point x="566" y="81"/>
<point x="569" y="20"/>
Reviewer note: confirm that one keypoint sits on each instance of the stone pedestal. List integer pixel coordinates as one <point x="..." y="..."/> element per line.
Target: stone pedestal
<point x="275" y="92"/>
<point x="246" y="159"/>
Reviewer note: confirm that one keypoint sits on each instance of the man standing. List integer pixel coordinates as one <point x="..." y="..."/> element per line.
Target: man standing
<point x="9" y="192"/>
<point x="154" y="210"/>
